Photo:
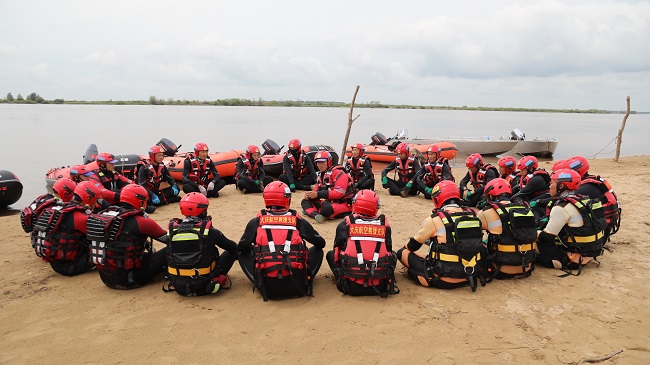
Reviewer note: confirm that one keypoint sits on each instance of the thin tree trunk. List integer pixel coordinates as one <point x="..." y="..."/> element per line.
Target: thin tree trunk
<point x="619" y="139"/>
<point x="350" y="121"/>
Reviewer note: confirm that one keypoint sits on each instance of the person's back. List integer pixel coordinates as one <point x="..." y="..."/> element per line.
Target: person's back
<point x="272" y="251"/>
<point x="362" y="260"/>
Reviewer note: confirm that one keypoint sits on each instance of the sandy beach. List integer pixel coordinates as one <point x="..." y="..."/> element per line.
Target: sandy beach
<point x="543" y="319"/>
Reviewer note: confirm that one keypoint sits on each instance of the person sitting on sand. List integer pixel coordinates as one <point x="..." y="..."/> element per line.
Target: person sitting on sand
<point x="478" y="174"/>
<point x="360" y="168"/>
<point x="333" y="192"/>
<point x="435" y="170"/>
<point x="272" y="251"/>
<point x="298" y="169"/>
<point x="250" y="176"/>
<point x="199" y="173"/>
<point x="151" y="173"/>
<point x="363" y="261"/>
<point x="106" y="178"/>
<point x="534" y="181"/>
<point x="406" y="166"/>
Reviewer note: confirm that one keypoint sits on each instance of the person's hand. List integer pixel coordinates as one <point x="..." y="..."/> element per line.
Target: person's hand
<point x="469" y="194"/>
<point x="202" y="190"/>
<point x="384" y="182"/>
<point x="311" y="195"/>
<point x="292" y="187"/>
<point x="428" y="190"/>
<point x="258" y="183"/>
<point x="155" y="199"/>
<point x="409" y="185"/>
<point x="533" y="203"/>
<point x="211" y="186"/>
<point x="175" y="189"/>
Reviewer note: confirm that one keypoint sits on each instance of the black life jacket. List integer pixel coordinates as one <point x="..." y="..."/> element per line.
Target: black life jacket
<point x="199" y="170"/>
<point x="111" y="246"/>
<point x="587" y="240"/>
<point x="328" y="180"/>
<point x="154" y="174"/>
<point x="356" y="168"/>
<point x="460" y="256"/>
<point x="516" y="244"/>
<point x="364" y="259"/>
<point x="299" y="168"/>
<point x="251" y="170"/>
<point x="478" y="179"/>
<point x="611" y="207"/>
<point x="280" y="252"/>
<point x="405" y="168"/>
<point x="56" y="242"/>
<point x="30" y="213"/>
<point x="191" y="258"/>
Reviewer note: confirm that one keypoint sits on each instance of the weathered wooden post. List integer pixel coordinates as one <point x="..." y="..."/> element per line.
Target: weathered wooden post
<point x="350" y="121"/>
<point x="619" y="139"/>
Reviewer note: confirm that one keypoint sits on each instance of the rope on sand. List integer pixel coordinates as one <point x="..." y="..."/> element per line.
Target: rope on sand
<point x="599" y="359"/>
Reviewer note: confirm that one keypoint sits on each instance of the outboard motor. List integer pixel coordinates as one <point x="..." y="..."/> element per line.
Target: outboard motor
<point x="170" y="149"/>
<point x="90" y="154"/>
<point x="271" y="148"/>
<point x="126" y="164"/>
<point x="402" y="134"/>
<point x="517" y="135"/>
<point x="378" y="139"/>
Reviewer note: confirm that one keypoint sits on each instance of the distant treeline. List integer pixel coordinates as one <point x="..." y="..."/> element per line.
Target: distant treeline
<point x="34" y="98"/>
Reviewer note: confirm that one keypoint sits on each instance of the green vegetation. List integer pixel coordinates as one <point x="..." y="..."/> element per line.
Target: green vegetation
<point x="34" y="98"/>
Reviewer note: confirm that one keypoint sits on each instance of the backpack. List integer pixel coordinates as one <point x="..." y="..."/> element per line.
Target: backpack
<point x="516" y="244"/>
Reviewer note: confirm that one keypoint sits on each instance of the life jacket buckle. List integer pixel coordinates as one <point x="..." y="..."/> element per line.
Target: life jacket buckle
<point x="469" y="273"/>
<point x="196" y="273"/>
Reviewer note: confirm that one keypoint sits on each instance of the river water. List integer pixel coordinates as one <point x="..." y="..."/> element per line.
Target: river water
<point x="38" y="137"/>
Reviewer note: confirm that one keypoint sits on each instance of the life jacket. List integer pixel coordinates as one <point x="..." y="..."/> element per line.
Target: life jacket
<point x="111" y="246"/>
<point x="109" y="179"/>
<point x="356" y="169"/>
<point x="191" y="259"/>
<point x="250" y="170"/>
<point x="154" y="174"/>
<point x="516" y="245"/>
<point x="54" y="242"/>
<point x="30" y="213"/>
<point x="587" y="240"/>
<point x="199" y="170"/>
<point x="364" y="259"/>
<point x="611" y="207"/>
<point x="523" y="180"/>
<point x="513" y="179"/>
<point x="298" y="168"/>
<point x="280" y="252"/>
<point x="405" y="168"/>
<point x="460" y="256"/>
<point x="328" y="180"/>
<point x="478" y="179"/>
<point x="434" y="172"/>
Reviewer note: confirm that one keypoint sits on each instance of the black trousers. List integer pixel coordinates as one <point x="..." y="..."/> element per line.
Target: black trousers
<point x="211" y="194"/>
<point x="303" y="184"/>
<point x="395" y="187"/>
<point x="249" y="187"/>
<point x="352" y="288"/>
<point x="152" y="265"/>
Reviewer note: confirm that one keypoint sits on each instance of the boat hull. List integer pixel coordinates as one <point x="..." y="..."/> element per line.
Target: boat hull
<point x="11" y="189"/>
<point x="467" y="146"/>
<point x="538" y="148"/>
<point x="384" y="153"/>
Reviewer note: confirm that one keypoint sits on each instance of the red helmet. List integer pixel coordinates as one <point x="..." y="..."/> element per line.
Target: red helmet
<point x="323" y="156"/>
<point x="277" y="195"/>
<point x="79" y="170"/>
<point x="155" y="149"/>
<point x="509" y="163"/>
<point x="558" y="165"/>
<point x="366" y="202"/>
<point x="251" y="149"/>
<point x="64" y="188"/>
<point x="567" y="177"/>
<point x="444" y="191"/>
<point x="200" y="146"/>
<point x="134" y="195"/>
<point x="577" y="163"/>
<point x="105" y="157"/>
<point x="474" y="160"/>
<point x="88" y="192"/>
<point x="360" y="147"/>
<point x="294" y="144"/>
<point x="527" y="163"/>
<point x="402" y="148"/>
<point x="434" y="148"/>
<point x="497" y="187"/>
<point x="194" y="204"/>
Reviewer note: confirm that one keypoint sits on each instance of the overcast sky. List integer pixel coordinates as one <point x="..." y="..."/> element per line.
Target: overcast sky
<point x="576" y="54"/>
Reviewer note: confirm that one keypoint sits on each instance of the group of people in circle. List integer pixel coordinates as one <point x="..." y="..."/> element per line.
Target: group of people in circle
<point x="514" y="216"/>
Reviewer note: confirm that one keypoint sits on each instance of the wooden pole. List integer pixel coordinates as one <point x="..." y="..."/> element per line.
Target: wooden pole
<point x="350" y="121"/>
<point x="619" y="139"/>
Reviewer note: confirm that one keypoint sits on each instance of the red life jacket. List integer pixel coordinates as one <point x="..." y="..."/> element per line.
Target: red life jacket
<point x="279" y="250"/>
<point x="364" y="259"/>
<point x="611" y="208"/>
<point x="525" y="178"/>
<point x="328" y="180"/>
<point x="478" y="179"/>
<point x="199" y="170"/>
<point x="109" y="182"/>
<point x="250" y="170"/>
<point x="111" y="247"/>
<point x="405" y="169"/>
<point x="154" y="174"/>
<point x="298" y="168"/>
<point x="30" y="213"/>
<point x="54" y="242"/>
<point x="434" y="172"/>
<point x="355" y="169"/>
<point x="512" y="179"/>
